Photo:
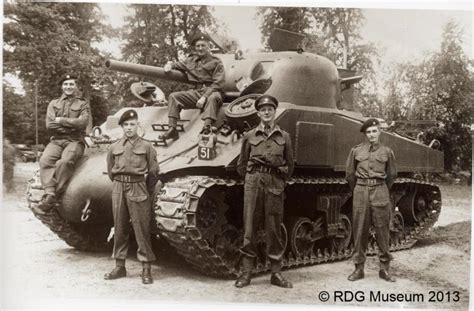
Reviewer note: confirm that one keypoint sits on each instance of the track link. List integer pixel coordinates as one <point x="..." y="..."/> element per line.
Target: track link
<point x="176" y="214"/>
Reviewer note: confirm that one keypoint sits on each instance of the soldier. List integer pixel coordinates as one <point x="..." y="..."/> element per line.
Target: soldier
<point x="66" y="120"/>
<point x="128" y="160"/>
<point x="266" y="162"/>
<point x="371" y="172"/>
<point x="208" y="72"/>
<point x="8" y="165"/>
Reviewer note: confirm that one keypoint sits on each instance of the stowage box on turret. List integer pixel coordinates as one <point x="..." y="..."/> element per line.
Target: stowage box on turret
<point x="199" y="208"/>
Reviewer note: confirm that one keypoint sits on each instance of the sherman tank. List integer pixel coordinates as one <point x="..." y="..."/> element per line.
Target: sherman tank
<point x="198" y="205"/>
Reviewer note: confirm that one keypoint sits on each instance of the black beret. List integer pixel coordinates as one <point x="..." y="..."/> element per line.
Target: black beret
<point x="67" y="77"/>
<point x="266" y="100"/>
<point x="369" y="123"/>
<point x="200" y="36"/>
<point x="127" y="115"/>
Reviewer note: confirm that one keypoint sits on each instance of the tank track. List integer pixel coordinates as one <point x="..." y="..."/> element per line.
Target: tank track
<point x="81" y="238"/>
<point x="176" y="214"/>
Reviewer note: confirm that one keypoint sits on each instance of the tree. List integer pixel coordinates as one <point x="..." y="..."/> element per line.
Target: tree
<point x="438" y="88"/>
<point x="43" y="41"/>
<point x="451" y="99"/>
<point x="155" y="34"/>
<point x="17" y="121"/>
<point x="288" y="18"/>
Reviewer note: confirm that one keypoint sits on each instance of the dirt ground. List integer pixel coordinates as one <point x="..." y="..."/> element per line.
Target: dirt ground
<point x="40" y="271"/>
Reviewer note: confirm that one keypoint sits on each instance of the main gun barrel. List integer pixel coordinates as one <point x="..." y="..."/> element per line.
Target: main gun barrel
<point x="148" y="71"/>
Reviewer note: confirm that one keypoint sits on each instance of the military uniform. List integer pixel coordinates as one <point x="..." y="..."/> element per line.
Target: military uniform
<point x="266" y="162"/>
<point x="8" y="165"/>
<point x="208" y="74"/>
<point x="66" y="146"/>
<point x="128" y="161"/>
<point x="371" y="172"/>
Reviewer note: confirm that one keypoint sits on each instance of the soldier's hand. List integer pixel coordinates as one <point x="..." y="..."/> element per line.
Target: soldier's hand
<point x="201" y="102"/>
<point x="167" y="67"/>
<point x="283" y="170"/>
<point x="54" y="125"/>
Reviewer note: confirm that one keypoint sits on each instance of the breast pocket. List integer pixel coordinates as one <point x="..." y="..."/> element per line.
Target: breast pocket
<point x="380" y="162"/>
<point x="118" y="157"/>
<point x="362" y="157"/>
<point x="278" y="147"/>
<point x="209" y="68"/>
<point x="138" y="157"/>
<point x="256" y="147"/>
<point x="75" y="110"/>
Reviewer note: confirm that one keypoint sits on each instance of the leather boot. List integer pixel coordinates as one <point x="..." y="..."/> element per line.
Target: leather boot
<point x="278" y="279"/>
<point x="146" y="273"/>
<point x="46" y="205"/>
<point x="384" y="274"/>
<point x="243" y="280"/>
<point x="172" y="133"/>
<point x="118" y="272"/>
<point x="358" y="273"/>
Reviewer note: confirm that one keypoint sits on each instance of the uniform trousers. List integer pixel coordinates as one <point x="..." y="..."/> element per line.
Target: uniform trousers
<point x="263" y="204"/>
<point x="188" y="99"/>
<point x="130" y="201"/>
<point x="57" y="163"/>
<point x="371" y="205"/>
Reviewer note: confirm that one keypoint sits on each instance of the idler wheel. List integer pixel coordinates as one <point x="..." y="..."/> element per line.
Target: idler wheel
<point x="300" y="235"/>
<point x="342" y="239"/>
<point x="413" y="207"/>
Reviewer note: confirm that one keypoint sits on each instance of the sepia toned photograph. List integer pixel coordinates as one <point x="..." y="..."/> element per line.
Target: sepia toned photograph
<point x="236" y="155"/>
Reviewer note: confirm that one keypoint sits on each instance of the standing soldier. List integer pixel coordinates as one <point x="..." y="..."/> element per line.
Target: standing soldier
<point x="8" y="165"/>
<point x="266" y="162"/>
<point x="371" y="172"/>
<point x="208" y="72"/>
<point x="128" y="160"/>
<point x="66" y="121"/>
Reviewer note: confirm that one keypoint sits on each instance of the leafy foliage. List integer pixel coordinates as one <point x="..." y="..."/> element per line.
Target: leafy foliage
<point x="439" y="88"/>
<point x="18" y="116"/>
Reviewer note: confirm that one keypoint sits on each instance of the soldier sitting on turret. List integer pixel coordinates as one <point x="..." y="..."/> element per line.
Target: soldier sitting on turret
<point x="207" y="71"/>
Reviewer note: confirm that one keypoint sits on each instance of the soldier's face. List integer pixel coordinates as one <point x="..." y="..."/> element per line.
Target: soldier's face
<point x="372" y="133"/>
<point x="267" y="113"/>
<point x="130" y="128"/>
<point x="202" y="48"/>
<point x="69" y="87"/>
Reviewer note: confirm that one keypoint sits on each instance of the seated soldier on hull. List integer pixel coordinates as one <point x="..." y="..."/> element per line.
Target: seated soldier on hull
<point x="66" y="120"/>
<point x="208" y="72"/>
